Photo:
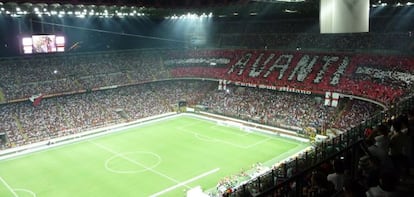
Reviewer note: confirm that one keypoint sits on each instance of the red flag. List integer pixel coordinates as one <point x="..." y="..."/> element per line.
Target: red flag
<point x="36" y="99"/>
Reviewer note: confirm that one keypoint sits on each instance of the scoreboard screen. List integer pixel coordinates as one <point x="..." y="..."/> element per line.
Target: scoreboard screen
<point x="43" y="44"/>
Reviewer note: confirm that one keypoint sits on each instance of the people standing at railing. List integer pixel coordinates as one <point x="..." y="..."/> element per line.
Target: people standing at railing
<point x="400" y="144"/>
<point x="386" y="186"/>
<point x="338" y="177"/>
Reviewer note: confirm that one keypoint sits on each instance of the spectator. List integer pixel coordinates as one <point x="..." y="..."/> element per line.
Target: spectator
<point x="338" y="177"/>
<point x="386" y="186"/>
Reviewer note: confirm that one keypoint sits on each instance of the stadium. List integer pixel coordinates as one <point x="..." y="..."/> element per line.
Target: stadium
<point x="209" y="98"/>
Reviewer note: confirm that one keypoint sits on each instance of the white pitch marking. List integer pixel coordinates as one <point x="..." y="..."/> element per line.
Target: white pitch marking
<point x="185" y="182"/>
<point x="137" y="163"/>
<point x="27" y="191"/>
<point x="223" y="141"/>
<point x="259" y="142"/>
<point x="8" y="187"/>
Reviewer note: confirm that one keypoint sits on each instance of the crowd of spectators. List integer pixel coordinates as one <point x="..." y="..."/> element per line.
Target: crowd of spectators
<point x="378" y="163"/>
<point x="304" y="34"/>
<point x="288" y="110"/>
<point x="383" y="168"/>
<point x="381" y="78"/>
<point x="59" y="116"/>
<point x="341" y="42"/>
<point x="22" y="78"/>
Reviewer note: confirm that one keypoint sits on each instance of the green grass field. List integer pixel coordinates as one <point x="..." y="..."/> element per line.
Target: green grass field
<point x="163" y="158"/>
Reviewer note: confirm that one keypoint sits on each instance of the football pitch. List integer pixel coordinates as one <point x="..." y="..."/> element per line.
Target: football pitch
<point x="161" y="158"/>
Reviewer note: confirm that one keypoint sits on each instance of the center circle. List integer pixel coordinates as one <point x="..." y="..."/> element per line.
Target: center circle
<point x="132" y="162"/>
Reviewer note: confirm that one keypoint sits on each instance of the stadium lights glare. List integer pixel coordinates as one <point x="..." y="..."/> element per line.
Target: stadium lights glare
<point x="409" y="3"/>
<point x="61" y="11"/>
<point x="190" y="16"/>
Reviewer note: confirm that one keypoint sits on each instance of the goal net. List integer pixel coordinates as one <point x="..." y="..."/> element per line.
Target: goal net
<point x="228" y="123"/>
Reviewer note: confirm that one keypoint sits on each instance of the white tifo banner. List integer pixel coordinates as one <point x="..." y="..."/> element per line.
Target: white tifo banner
<point x="344" y="16"/>
<point x="331" y="99"/>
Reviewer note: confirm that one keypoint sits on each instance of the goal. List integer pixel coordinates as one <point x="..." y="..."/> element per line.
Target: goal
<point x="228" y="123"/>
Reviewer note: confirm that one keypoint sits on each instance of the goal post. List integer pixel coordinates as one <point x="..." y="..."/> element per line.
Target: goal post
<point x="228" y="123"/>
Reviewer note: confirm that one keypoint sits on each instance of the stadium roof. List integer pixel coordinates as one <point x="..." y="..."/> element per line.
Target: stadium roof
<point x="168" y="8"/>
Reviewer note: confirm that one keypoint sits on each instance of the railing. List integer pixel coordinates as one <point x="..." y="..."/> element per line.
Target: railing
<point x="280" y="179"/>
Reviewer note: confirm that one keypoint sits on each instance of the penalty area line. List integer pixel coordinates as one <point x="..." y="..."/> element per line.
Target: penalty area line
<point x="8" y="187"/>
<point x="185" y="182"/>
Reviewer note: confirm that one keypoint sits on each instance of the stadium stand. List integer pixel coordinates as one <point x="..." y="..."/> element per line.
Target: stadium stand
<point x="279" y="55"/>
<point x="381" y="78"/>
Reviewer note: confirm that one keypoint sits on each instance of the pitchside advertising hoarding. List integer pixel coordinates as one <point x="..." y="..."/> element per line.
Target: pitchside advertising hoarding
<point x="43" y="44"/>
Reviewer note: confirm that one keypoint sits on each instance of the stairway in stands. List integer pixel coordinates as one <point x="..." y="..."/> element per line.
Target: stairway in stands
<point x="2" y="96"/>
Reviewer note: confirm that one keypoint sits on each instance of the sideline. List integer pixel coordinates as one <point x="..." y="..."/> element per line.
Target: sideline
<point x="57" y="142"/>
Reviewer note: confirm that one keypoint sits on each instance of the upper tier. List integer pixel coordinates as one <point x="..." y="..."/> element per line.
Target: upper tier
<point x="378" y="77"/>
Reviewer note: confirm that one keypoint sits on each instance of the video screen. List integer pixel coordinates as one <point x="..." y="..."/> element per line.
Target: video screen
<point x="43" y="44"/>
